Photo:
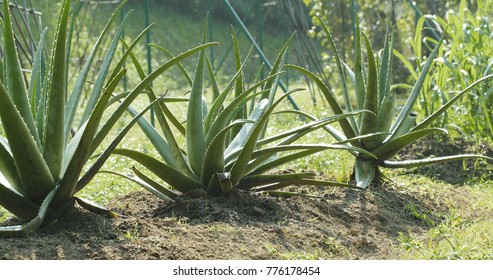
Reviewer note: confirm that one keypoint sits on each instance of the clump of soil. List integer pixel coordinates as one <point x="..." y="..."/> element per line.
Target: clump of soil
<point x="345" y="224"/>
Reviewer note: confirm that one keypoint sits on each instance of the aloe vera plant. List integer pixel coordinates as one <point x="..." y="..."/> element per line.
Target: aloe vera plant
<point x="380" y="132"/>
<point x="41" y="161"/>
<point x="225" y="143"/>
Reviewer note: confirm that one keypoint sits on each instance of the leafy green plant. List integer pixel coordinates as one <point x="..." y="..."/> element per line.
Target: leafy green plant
<point x="378" y="132"/>
<point x="41" y="161"/>
<point x="466" y="56"/>
<point x="226" y="145"/>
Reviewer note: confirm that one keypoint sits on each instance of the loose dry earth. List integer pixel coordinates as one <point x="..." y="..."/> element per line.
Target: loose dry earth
<point x="343" y="224"/>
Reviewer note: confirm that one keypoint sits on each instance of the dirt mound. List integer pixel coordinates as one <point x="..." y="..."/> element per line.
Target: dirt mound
<point x="346" y="224"/>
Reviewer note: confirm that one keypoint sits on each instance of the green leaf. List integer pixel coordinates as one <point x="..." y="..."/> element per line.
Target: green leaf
<point x="13" y="74"/>
<point x="385" y="72"/>
<point x="73" y="101"/>
<point x="54" y="138"/>
<point x="176" y="179"/>
<point x="214" y="156"/>
<point x="159" y="143"/>
<point x="331" y="99"/>
<point x="364" y="172"/>
<point x="91" y="172"/>
<point x="250" y="182"/>
<point x="242" y="137"/>
<point x="33" y="171"/>
<point x="7" y="166"/>
<point x="38" y="101"/>
<point x="84" y="145"/>
<point x="139" y="88"/>
<point x="17" y="204"/>
<point x="241" y="163"/>
<point x="392" y="147"/>
<point x="369" y="122"/>
<point x="429" y="161"/>
<point x="196" y="144"/>
<point x="342" y="77"/>
<point x="97" y="88"/>
<point x="416" y="89"/>
<point x="156" y="188"/>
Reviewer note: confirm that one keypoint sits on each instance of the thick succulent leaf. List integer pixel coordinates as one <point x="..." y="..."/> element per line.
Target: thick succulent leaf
<point x="369" y="122"/>
<point x="95" y="208"/>
<point x="406" y="109"/>
<point x="32" y="225"/>
<point x="220" y="181"/>
<point x="228" y="114"/>
<point x="140" y="88"/>
<point x="296" y="133"/>
<point x="406" y="125"/>
<point x="155" y="185"/>
<point x="54" y="138"/>
<point x="241" y="113"/>
<point x="242" y="137"/>
<point x="241" y="163"/>
<point x="329" y="184"/>
<point x="385" y="71"/>
<point x="214" y="155"/>
<point x="17" y="204"/>
<point x="276" y="68"/>
<point x="96" y="166"/>
<point x="84" y="145"/>
<point x="171" y="176"/>
<point x="359" y="80"/>
<point x="99" y="84"/>
<point x="33" y="171"/>
<point x="182" y="68"/>
<point x="214" y="85"/>
<point x="73" y="101"/>
<point x="36" y="86"/>
<point x="331" y="99"/>
<point x="263" y="158"/>
<point x="430" y="161"/>
<point x="159" y="143"/>
<point x="13" y="74"/>
<point x="35" y="223"/>
<point x="392" y="147"/>
<point x="128" y="51"/>
<point x="342" y="77"/>
<point x="364" y="172"/>
<point x="163" y="111"/>
<point x="250" y="182"/>
<point x="195" y="116"/>
<point x="7" y="166"/>
<point x="156" y="189"/>
<point x="385" y="115"/>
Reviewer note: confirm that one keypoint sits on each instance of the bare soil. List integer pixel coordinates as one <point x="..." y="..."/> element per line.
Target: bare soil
<point x="341" y="224"/>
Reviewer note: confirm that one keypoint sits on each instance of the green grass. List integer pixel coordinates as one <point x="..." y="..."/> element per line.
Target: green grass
<point x="464" y="230"/>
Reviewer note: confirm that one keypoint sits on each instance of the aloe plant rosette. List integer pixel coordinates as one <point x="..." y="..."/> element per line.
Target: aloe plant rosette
<point x="226" y="146"/>
<point x="41" y="161"/>
<point x="381" y="131"/>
